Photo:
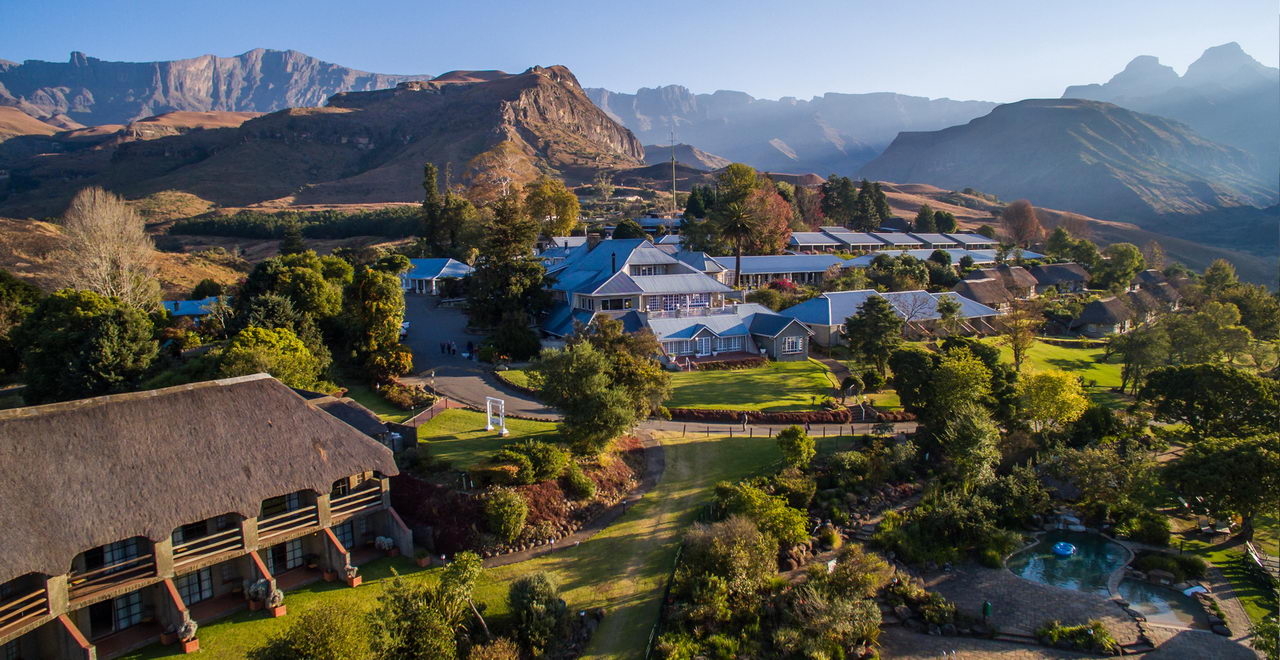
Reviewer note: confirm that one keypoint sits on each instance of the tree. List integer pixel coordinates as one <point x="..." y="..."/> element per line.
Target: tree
<point x="1020" y="224"/>
<point x="866" y="212"/>
<point x="374" y="313"/>
<point x="874" y="332"/>
<point x="1266" y="637"/>
<point x="278" y="352"/>
<point x="946" y="221"/>
<point x="323" y="632"/>
<point x="505" y="512"/>
<point x="1218" y="277"/>
<point x="1051" y="399"/>
<point x="1141" y="350"/>
<point x="421" y="620"/>
<point x="107" y="250"/>
<point x="312" y="284"/>
<point x="1110" y="481"/>
<point x="432" y="200"/>
<point x="913" y="369"/>
<point x="949" y="318"/>
<point x="797" y="447"/>
<point x="1209" y="334"/>
<point x="552" y="206"/>
<point x="924" y="220"/>
<point x="839" y="199"/>
<point x="207" y="288"/>
<point x="898" y="273"/>
<point x="507" y="278"/>
<point x="1213" y="400"/>
<point x="603" y="184"/>
<point x="772" y="217"/>
<point x="78" y="344"/>
<point x="629" y="228"/>
<point x="969" y="440"/>
<point x="881" y="203"/>
<point x="960" y="378"/>
<point x="292" y="242"/>
<point x="987" y="231"/>
<point x="733" y="550"/>
<point x="17" y="300"/>
<point x="578" y="381"/>
<point x="1123" y="262"/>
<point x="694" y="208"/>
<point x="540" y="614"/>
<point x="735" y="223"/>
<point x="808" y="207"/>
<point x="1259" y="308"/>
<point x="1153" y="254"/>
<point x="1234" y="476"/>
<point x="1018" y="329"/>
<point x="632" y="366"/>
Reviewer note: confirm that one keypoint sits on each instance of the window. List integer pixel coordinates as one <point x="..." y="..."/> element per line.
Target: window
<point x="284" y="556"/>
<point x="190" y="531"/>
<point x="671" y="303"/>
<point x="340" y="487"/>
<point x="195" y="587"/>
<point x="645" y="270"/>
<point x="346" y="534"/>
<point x="700" y="300"/>
<point x="791" y="345"/>
<point x="282" y="504"/>
<point x="729" y="344"/>
<point x="128" y="610"/>
<point x="112" y="553"/>
<point x="615" y="303"/>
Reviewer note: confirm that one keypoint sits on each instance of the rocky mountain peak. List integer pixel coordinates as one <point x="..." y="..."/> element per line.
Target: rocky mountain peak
<point x="1230" y="67"/>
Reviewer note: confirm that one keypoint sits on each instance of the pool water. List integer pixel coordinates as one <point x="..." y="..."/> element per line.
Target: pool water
<point x="1162" y="604"/>
<point x="1088" y="570"/>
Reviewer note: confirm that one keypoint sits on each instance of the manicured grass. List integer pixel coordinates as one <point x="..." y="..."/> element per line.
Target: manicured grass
<point x="515" y="377"/>
<point x="622" y="569"/>
<point x="777" y="386"/>
<point x="367" y="397"/>
<point x="1258" y="599"/>
<point x="458" y="436"/>
<point x="1266" y="534"/>
<point x="1099" y="376"/>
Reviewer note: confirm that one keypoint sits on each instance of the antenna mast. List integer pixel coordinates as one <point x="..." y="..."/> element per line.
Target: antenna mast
<point x="673" y="172"/>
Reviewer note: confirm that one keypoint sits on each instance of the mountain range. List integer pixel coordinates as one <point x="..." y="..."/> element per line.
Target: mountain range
<point x="88" y="91"/>
<point x="829" y="133"/>
<point x="1225" y="95"/>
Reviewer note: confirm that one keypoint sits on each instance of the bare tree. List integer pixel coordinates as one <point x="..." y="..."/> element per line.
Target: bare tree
<point x="1018" y="328"/>
<point x="1076" y="225"/>
<point x="107" y="249"/>
<point x="1020" y="224"/>
<point x="603" y="183"/>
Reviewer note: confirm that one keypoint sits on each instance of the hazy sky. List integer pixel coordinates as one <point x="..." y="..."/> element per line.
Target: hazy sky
<point x="998" y="50"/>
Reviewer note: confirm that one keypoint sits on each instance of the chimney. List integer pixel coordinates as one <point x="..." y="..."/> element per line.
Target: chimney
<point x="613" y="262"/>
<point x="592" y="241"/>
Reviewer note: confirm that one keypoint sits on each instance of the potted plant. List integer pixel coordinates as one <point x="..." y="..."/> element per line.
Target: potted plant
<point x="423" y="558"/>
<point x="257" y="594"/>
<point x="387" y="545"/>
<point x="275" y="603"/>
<point x="352" y="575"/>
<point x="186" y="634"/>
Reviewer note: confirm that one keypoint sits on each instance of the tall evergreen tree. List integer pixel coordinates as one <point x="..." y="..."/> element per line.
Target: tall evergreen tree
<point x="695" y="208"/>
<point x="432" y="205"/>
<point x="881" y="202"/>
<point x="924" y="220"/>
<point x="292" y="242"/>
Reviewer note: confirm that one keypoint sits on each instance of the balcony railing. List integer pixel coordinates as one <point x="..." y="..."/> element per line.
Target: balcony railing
<point x="19" y="610"/>
<point x="289" y="521"/>
<point x="86" y="583"/>
<point x="364" y="499"/>
<point x="207" y="546"/>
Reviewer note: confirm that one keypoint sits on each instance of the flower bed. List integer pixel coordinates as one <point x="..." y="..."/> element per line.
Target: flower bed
<point x="729" y="365"/>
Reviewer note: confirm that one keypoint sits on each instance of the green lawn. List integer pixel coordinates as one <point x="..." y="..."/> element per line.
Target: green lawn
<point x="458" y="436"/>
<point x="1266" y="534"/>
<point x="1257" y="598"/>
<point x="777" y="386"/>
<point x="622" y="569"/>
<point x="367" y="397"/>
<point x="1099" y="376"/>
<point x="516" y="377"/>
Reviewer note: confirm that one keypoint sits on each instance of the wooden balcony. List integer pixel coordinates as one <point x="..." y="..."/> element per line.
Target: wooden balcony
<point x="84" y="584"/>
<point x="357" y="501"/>
<point x="22" y="609"/>
<point x="189" y="552"/>
<point x="287" y="522"/>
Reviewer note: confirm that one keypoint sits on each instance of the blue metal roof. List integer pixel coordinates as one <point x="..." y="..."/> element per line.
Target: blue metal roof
<point x="834" y="307"/>
<point x="784" y="263"/>
<point x="681" y="283"/>
<point x="739" y="320"/>
<point x="699" y="261"/>
<point x="812" y="238"/>
<point x="189" y="307"/>
<point x="896" y="238"/>
<point x="670" y="239"/>
<point x="560" y="322"/>
<point x="971" y="239"/>
<point x="431" y="269"/>
<point x="934" y="239"/>
<point x="990" y="255"/>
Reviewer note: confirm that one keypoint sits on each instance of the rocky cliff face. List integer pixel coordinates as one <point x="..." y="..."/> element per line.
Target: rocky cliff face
<point x="92" y="91"/>
<point x="830" y="133"/>
<point x="1084" y="156"/>
<point x="363" y="147"/>
<point x="1226" y="95"/>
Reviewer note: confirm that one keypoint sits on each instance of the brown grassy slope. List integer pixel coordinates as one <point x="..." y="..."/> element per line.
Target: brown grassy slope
<point x="16" y="122"/>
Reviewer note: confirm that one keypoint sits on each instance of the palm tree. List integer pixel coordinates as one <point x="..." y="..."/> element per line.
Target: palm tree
<point x="736" y="224"/>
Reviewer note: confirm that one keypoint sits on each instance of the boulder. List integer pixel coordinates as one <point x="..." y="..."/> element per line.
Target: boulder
<point x="902" y="612"/>
<point x="1222" y="630"/>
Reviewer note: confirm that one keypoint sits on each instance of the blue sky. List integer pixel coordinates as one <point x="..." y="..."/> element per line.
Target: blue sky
<point x="998" y="50"/>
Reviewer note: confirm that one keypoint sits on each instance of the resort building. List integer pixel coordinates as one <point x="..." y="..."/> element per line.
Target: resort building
<point x="936" y="241"/>
<point x="734" y="332"/>
<point x="897" y="240"/>
<point x="973" y="241"/>
<point x="427" y="275"/>
<point x="1063" y="278"/>
<point x="826" y="314"/>
<point x="196" y="309"/>
<point x="1104" y="317"/>
<point x="127" y="515"/>
<point x="804" y="269"/>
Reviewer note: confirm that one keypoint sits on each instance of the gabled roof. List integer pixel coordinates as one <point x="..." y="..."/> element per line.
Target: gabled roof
<point x="864" y="260"/>
<point x="990" y="254"/>
<point x="988" y="291"/>
<point x="896" y="238"/>
<point x="670" y="239"/>
<point x="189" y="307"/>
<point x="620" y="284"/>
<point x="923" y="306"/>
<point x="1050" y="274"/>
<point x="560" y="321"/>
<point x="934" y="239"/>
<point x="679" y="283"/>
<point x="1150" y="277"/>
<point x="971" y="239"/>
<point x="431" y="269"/>
<point x="812" y="238"/>
<point x="783" y="263"/>
<point x="1010" y="276"/>
<point x="80" y="474"/>
<point x="739" y="320"/>
<point x="568" y="241"/>
<point x="772" y="325"/>
<point x="834" y="307"/>
<point x="586" y="270"/>
<point x="699" y="261"/>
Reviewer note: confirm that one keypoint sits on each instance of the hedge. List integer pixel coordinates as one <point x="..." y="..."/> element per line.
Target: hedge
<point x="841" y="416"/>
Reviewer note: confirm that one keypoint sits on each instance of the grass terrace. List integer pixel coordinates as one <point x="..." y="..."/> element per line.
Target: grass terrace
<point x="458" y="436"/>
<point x="369" y="398"/>
<point x="622" y="568"/>
<point x="775" y="387"/>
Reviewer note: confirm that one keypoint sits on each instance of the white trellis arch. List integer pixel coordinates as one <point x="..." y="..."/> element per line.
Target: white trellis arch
<point x="491" y="403"/>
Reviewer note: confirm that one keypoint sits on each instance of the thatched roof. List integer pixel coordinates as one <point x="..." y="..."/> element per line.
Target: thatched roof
<point x="1055" y="274"/>
<point x="81" y="474"/>
<point x="1108" y="311"/>
<point x="1014" y="277"/>
<point x="354" y="414"/>
<point x="988" y="291"/>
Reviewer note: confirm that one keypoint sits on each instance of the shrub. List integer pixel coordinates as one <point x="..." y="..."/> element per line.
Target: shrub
<point x="405" y="397"/>
<point x="578" y="484"/>
<point x="796" y="486"/>
<point x="938" y="610"/>
<point x="1182" y="567"/>
<point x="1092" y="637"/>
<point x="499" y="649"/>
<point x="539" y="613"/>
<point x="546" y="461"/>
<point x="1192" y="566"/>
<point x="524" y="472"/>
<point x="872" y="381"/>
<point x="830" y="538"/>
<point x="990" y="558"/>
<point x="797" y="447"/>
<point x="1149" y="528"/>
<point x="324" y="632"/>
<point x="505" y="512"/>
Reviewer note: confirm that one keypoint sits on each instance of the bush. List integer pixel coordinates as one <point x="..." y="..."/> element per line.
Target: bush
<point x="872" y="381"/>
<point x="522" y="475"/>
<point x="534" y="461"/>
<point x="830" y="538"/>
<point x="990" y="558"/>
<point x="578" y="484"/>
<point x="797" y="447"/>
<point x="406" y="397"/>
<point x="505" y="512"/>
<point x="796" y="486"/>
<point x="540" y="615"/>
<point x="1092" y="637"/>
<point x="1182" y="567"/>
<point x="1192" y="566"/>
<point x="324" y="632"/>
<point x="1149" y="528"/>
<point x="499" y="649"/>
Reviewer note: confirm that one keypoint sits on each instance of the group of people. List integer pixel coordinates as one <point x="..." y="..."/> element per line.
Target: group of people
<point x="451" y="348"/>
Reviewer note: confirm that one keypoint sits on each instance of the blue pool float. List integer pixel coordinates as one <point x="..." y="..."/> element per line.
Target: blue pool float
<point x="1063" y="549"/>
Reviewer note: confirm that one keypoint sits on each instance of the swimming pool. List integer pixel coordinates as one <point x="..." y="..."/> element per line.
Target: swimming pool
<point x="1088" y="570"/>
<point x="1162" y="604"/>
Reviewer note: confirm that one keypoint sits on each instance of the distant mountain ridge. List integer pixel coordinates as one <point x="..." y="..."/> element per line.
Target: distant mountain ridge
<point x="91" y="91"/>
<point x="686" y="154"/>
<point x="362" y="147"/>
<point x="1225" y="95"/>
<point x="1084" y="156"/>
<point x="829" y="133"/>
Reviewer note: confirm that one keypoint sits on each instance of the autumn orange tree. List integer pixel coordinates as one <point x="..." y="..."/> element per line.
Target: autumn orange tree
<point x="1020" y="224"/>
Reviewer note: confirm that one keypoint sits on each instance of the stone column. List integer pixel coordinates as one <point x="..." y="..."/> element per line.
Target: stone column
<point x="323" y="514"/>
<point x="59" y="598"/>
<point x="249" y="532"/>
<point x="163" y="556"/>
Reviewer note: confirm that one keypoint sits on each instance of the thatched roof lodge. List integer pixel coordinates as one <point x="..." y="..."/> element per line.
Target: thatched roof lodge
<point x="151" y="502"/>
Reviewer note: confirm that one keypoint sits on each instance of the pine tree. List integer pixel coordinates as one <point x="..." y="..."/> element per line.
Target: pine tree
<point x="432" y="201"/>
<point x="292" y="242"/>
<point x="864" y="209"/>
<point x="881" y="202"/>
<point x="924" y="220"/>
<point x="694" y="208"/>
